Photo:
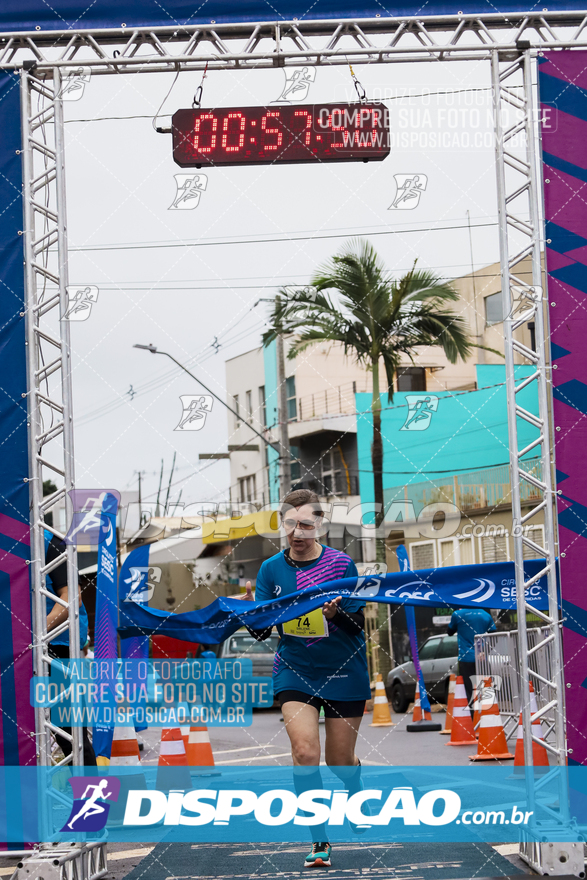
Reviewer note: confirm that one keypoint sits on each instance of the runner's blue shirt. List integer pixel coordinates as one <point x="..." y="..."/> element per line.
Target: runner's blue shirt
<point x="333" y="667"/>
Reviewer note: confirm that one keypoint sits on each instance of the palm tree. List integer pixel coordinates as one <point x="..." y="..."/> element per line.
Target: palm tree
<point x="376" y="319"/>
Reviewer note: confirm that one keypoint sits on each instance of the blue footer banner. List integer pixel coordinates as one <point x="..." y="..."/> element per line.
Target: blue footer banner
<point x="237" y="804"/>
<point x="491" y="585"/>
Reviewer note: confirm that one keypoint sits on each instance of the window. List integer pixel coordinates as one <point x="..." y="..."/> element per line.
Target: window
<point x="247" y="488"/>
<point x="296" y="465"/>
<point x="292" y="408"/>
<point x="249" y="645"/>
<point x="429" y="649"/>
<point x="331" y="475"/>
<point x="466" y="548"/>
<point x="422" y="555"/>
<point x="494" y="308"/>
<point x="448" y="647"/>
<point x="494" y="548"/>
<point x="249" y="405"/>
<point x="536" y="534"/>
<point x="448" y="554"/>
<point x="262" y="406"/>
<point x="411" y="379"/>
<point x="237" y="410"/>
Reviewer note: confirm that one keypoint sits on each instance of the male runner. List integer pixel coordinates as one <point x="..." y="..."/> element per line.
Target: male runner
<point x="321" y="659"/>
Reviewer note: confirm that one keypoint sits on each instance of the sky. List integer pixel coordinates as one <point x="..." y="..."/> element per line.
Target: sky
<point x="188" y="281"/>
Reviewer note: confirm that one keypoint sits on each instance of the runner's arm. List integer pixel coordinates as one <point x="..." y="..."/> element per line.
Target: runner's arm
<point x="263" y="592"/>
<point x="350" y="622"/>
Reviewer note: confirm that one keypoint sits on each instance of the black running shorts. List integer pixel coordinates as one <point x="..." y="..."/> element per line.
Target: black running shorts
<point x="332" y="708"/>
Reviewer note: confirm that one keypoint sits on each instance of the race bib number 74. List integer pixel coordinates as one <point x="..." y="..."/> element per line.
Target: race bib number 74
<point x="312" y="625"/>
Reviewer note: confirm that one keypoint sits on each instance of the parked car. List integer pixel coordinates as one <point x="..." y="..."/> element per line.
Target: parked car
<point x="438" y="659"/>
<point x="241" y="645"/>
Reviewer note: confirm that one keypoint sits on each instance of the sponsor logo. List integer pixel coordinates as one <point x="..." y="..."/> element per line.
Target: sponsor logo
<point x="280" y="807"/>
<point x="92" y="795"/>
<point x="483" y="592"/>
<point x="367" y="587"/>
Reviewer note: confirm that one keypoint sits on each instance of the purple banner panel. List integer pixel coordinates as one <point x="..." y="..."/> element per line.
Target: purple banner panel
<point x="563" y="97"/>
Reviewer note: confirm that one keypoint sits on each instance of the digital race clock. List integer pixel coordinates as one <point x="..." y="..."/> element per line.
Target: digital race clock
<point x="291" y="134"/>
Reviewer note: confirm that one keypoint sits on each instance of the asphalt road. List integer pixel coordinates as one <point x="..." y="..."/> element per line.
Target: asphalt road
<point x="265" y="743"/>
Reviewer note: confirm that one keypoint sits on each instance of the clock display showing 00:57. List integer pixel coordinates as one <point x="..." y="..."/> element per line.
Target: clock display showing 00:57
<point x="290" y="134"/>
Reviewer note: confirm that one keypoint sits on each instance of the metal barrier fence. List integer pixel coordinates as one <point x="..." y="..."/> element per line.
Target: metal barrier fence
<point x="496" y="655"/>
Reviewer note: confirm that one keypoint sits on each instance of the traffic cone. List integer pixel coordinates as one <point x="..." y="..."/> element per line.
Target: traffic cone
<point x="419" y="715"/>
<point x="173" y="770"/>
<point x="462" y="733"/>
<point x="421" y="720"/>
<point x="125" y="748"/>
<point x="539" y="753"/>
<point x="381" y="713"/>
<point x="125" y="753"/>
<point x="199" y="750"/>
<point x="492" y="745"/>
<point x="449" y="706"/>
<point x="475" y="704"/>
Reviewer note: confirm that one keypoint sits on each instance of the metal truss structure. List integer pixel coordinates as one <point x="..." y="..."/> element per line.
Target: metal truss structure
<point x="49" y="371"/>
<point x="509" y="43"/>
<point x="258" y="45"/>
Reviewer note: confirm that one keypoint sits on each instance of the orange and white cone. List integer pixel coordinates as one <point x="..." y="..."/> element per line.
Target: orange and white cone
<point x="381" y="713"/>
<point x="420" y="715"/>
<point x="449" y="705"/>
<point x="125" y="748"/>
<point x="539" y="753"/>
<point x="462" y="733"/>
<point x="476" y="703"/>
<point x="173" y="770"/>
<point x="492" y="745"/>
<point x="199" y="750"/>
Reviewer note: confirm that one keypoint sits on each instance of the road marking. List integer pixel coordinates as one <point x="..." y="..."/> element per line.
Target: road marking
<point x="254" y="758"/>
<point x="130" y="853"/>
<point x="244" y="749"/>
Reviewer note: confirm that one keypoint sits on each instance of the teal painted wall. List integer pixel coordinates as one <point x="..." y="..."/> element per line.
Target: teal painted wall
<point x="464" y="432"/>
<point x="271" y="399"/>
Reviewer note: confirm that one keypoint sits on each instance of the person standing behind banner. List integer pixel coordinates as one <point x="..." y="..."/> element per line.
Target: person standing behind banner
<point x="56" y="582"/>
<point x="468" y="623"/>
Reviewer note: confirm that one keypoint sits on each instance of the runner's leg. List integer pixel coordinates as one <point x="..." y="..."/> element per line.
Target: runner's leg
<point x="301" y="723"/>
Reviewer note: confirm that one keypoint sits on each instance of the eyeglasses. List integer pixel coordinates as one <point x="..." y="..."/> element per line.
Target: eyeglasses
<point x="305" y="525"/>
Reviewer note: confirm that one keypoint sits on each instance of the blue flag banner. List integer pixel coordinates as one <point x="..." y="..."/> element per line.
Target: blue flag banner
<point x="491" y="585"/>
<point x="105" y="638"/>
<point x="404" y="565"/>
<point x="134" y="586"/>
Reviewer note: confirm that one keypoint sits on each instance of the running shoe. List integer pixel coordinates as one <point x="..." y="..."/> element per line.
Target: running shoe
<point x="320" y="855"/>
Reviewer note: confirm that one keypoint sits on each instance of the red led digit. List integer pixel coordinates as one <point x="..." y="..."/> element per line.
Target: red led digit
<point x="198" y="133"/>
<point x="241" y="136"/>
<point x="308" y="131"/>
<point x="276" y="131"/>
<point x="346" y="141"/>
